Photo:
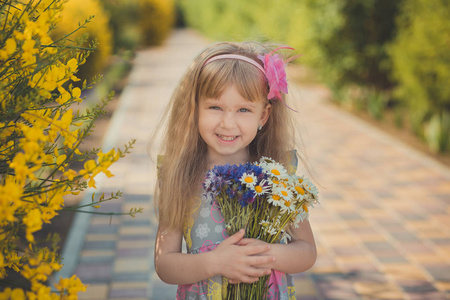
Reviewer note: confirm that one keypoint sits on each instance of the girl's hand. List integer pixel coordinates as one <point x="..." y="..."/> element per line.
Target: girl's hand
<point x="255" y="242"/>
<point x="242" y="264"/>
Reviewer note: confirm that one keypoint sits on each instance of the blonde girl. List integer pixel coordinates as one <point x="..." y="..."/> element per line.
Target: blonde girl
<point x="228" y="108"/>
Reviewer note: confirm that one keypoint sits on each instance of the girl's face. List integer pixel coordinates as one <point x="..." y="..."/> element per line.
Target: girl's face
<point x="229" y="124"/>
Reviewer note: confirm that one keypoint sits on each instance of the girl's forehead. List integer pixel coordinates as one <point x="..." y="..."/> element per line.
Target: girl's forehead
<point x="231" y="95"/>
<point x="227" y="100"/>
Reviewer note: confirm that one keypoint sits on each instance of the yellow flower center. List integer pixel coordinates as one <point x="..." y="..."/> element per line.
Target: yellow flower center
<point x="248" y="179"/>
<point x="284" y="193"/>
<point x="287" y="203"/>
<point x="300" y="190"/>
<point x="300" y="180"/>
<point x="275" y="181"/>
<point x="258" y="189"/>
<point x="276" y="197"/>
<point x="305" y="207"/>
<point x="276" y="172"/>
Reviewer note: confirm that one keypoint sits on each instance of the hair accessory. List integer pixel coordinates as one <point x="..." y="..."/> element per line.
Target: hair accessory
<point x="274" y="70"/>
<point x="236" y="56"/>
<point x="275" y="73"/>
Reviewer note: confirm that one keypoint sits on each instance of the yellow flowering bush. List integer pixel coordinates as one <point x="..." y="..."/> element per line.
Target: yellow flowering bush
<point x="98" y="30"/>
<point x="40" y="132"/>
<point x="156" y="18"/>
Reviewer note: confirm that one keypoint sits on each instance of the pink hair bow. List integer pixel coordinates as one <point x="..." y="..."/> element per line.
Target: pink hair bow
<point x="275" y="73"/>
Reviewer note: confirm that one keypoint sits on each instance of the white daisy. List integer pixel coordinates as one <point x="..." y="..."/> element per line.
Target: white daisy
<point x="283" y="191"/>
<point x="265" y="160"/>
<point x="264" y="223"/>
<point x="309" y="186"/>
<point x="271" y="230"/>
<point x="276" y="170"/>
<point x="262" y="188"/>
<point x="202" y="230"/>
<point x="287" y="206"/>
<point x="274" y="200"/>
<point x="285" y="238"/>
<point x="248" y="179"/>
<point x="302" y="215"/>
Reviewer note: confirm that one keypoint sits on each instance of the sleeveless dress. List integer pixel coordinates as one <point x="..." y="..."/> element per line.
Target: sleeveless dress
<point x="204" y="230"/>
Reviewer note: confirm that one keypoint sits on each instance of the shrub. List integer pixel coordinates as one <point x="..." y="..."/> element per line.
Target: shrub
<point x="138" y="23"/>
<point x="40" y="135"/>
<point x="122" y="21"/>
<point x="421" y="67"/>
<point x="155" y="18"/>
<point x="98" y="32"/>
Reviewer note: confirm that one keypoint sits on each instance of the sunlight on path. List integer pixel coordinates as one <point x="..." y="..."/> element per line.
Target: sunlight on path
<point x="382" y="229"/>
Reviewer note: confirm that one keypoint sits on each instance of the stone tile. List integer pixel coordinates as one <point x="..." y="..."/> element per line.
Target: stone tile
<point x="142" y="243"/>
<point x="94" y="272"/>
<point x="125" y="265"/>
<point x="443" y="286"/>
<point x="427" y="296"/>
<point x="416" y="286"/>
<point x="404" y="272"/>
<point x="439" y="272"/>
<point x="97" y="245"/>
<point x="128" y="293"/>
<point x="100" y="237"/>
<point x="95" y="292"/>
<point x="130" y="276"/>
<point x="94" y="253"/>
<point x="135" y="230"/>
<point x="103" y="229"/>
<point x="304" y="288"/>
<point x="134" y="252"/>
<point x="371" y="290"/>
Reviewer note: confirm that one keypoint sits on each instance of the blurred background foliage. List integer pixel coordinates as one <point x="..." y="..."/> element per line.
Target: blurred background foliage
<point x="386" y="58"/>
<point x="117" y="29"/>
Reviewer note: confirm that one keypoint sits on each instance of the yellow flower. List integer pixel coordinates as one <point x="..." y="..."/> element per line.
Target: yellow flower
<point x="29" y="51"/>
<point x="72" y="65"/>
<point x="70" y="174"/>
<point x="300" y="190"/>
<point x="70" y="286"/>
<point x="20" y="167"/>
<point x="33" y="222"/>
<point x="16" y="293"/>
<point x="305" y="207"/>
<point x="10" y="194"/>
<point x="9" y="49"/>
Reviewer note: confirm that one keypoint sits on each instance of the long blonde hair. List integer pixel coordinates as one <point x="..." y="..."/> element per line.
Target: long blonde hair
<point x="183" y="150"/>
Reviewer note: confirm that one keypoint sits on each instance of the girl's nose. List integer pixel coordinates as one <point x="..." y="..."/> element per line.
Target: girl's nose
<point x="228" y="120"/>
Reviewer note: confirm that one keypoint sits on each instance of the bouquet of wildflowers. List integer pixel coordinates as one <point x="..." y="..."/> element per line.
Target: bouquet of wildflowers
<point x="264" y="199"/>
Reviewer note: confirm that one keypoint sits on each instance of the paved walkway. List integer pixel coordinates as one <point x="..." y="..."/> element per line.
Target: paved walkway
<point x="382" y="229"/>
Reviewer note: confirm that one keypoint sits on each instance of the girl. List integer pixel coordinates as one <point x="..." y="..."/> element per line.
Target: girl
<point x="228" y="108"/>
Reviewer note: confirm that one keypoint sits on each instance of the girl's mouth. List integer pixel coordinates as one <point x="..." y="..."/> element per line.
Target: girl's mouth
<point x="226" y="138"/>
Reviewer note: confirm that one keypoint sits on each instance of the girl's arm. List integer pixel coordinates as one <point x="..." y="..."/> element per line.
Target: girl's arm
<point x="297" y="256"/>
<point x="244" y="264"/>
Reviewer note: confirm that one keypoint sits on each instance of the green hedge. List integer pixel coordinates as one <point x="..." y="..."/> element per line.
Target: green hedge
<point x="421" y="67"/>
<point x="367" y="47"/>
<point x="344" y="40"/>
<point x="138" y="23"/>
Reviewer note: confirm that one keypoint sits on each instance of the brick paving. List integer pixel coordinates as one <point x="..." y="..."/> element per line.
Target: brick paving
<point x="382" y="228"/>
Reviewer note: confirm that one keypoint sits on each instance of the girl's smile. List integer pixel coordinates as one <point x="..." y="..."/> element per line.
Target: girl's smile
<point x="227" y="138"/>
<point x="229" y="124"/>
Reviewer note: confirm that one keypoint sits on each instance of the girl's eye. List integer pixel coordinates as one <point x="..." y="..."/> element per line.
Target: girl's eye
<point x="244" y="110"/>
<point x="214" y="107"/>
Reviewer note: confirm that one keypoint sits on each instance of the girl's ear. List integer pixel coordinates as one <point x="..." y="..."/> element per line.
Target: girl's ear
<point x="265" y="114"/>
